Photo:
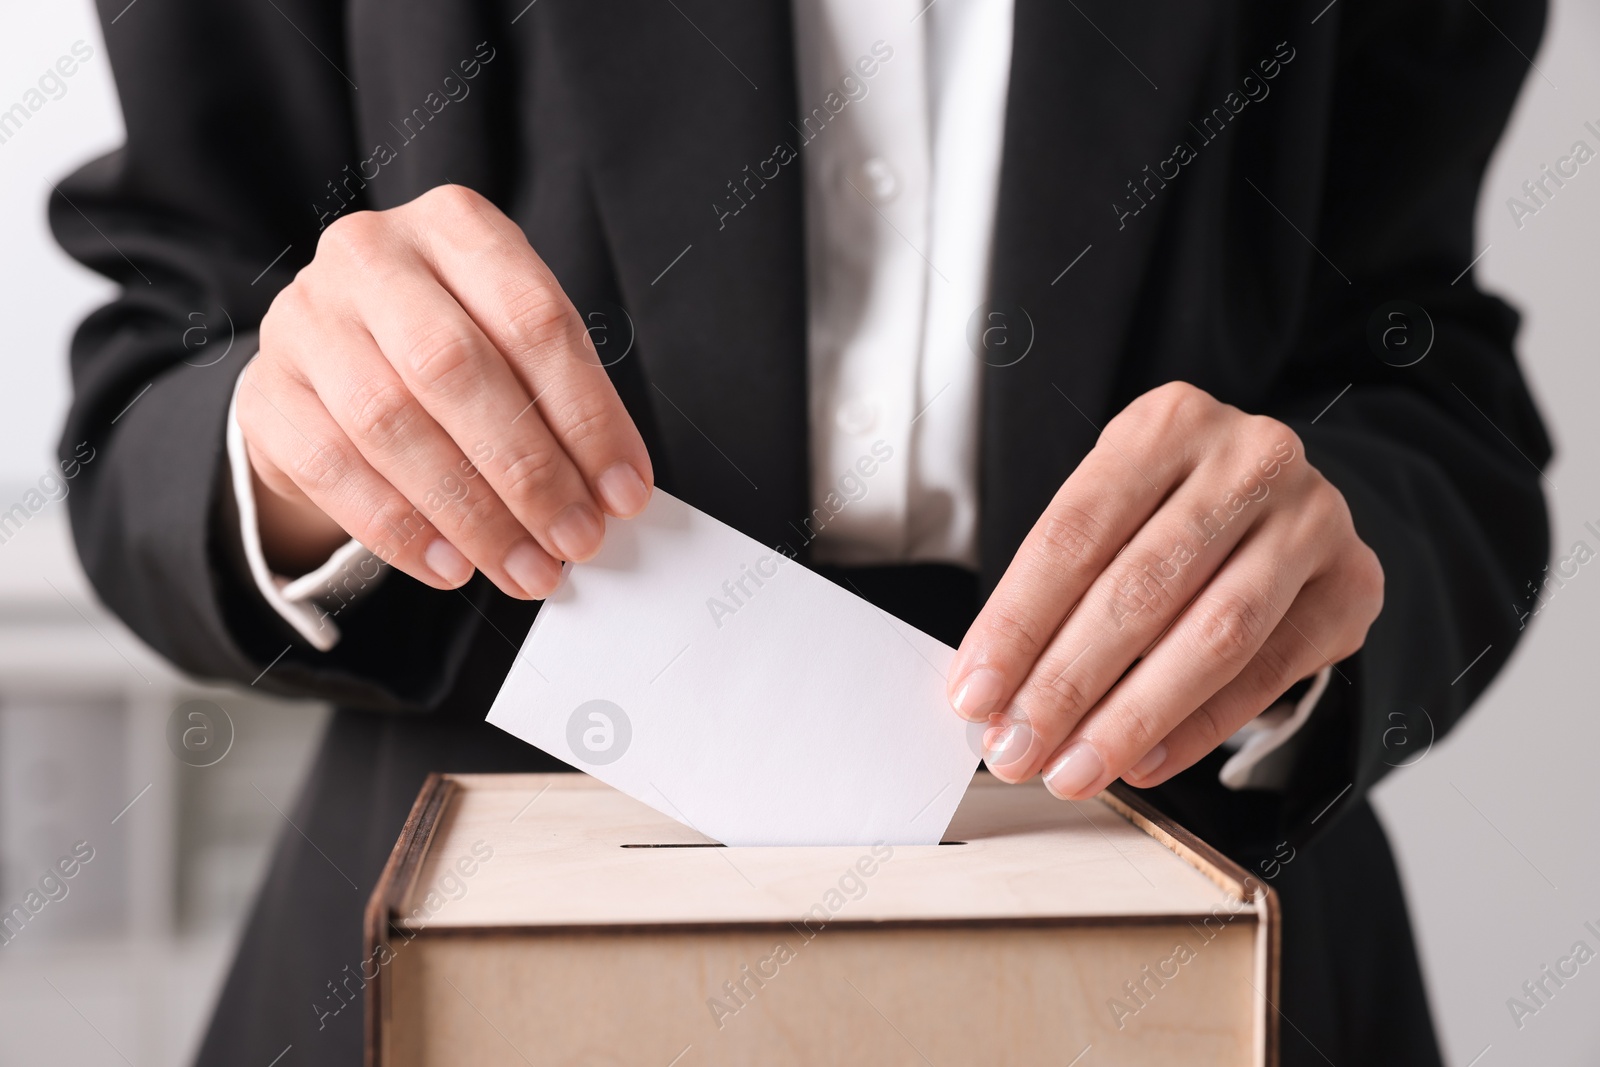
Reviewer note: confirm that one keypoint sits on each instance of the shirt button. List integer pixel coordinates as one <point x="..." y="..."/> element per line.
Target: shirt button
<point x="877" y="180"/>
<point x="856" y="417"/>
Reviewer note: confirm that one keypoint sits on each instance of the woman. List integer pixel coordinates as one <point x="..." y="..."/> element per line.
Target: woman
<point x="1249" y="440"/>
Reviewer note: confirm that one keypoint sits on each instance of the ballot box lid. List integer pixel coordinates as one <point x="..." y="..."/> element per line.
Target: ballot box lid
<point x="484" y="853"/>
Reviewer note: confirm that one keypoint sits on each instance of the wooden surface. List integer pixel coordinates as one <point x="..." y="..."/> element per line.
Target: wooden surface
<point x="557" y="860"/>
<point x="1014" y="996"/>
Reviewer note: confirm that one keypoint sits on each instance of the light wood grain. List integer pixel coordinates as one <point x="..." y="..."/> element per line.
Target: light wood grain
<point x="1009" y="996"/>
<point x="557" y="861"/>
<point x="512" y="926"/>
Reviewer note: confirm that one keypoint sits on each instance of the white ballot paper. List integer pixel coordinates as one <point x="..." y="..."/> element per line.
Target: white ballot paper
<point x="729" y="687"/>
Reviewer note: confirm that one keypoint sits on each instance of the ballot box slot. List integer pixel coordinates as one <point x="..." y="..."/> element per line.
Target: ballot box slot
<point x="717" y="844"/>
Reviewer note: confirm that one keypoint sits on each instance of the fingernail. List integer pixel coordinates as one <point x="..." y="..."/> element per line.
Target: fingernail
<point x="576" y="532"/>
<point x="622" y="490"/>
<point x="443" y="559"/>
<point x="1078" y="768"/>
<point x="1008" y="753"/>
<point x="532" y="568"/>
<point x="1151" y="763"/>
<point x="979" y="694"/>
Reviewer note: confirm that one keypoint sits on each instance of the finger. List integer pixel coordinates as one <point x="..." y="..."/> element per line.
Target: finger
<point x="488" y="265"/>
<point x="294" y="432"/>
<point x="1126" y="609"/>
<point x="295" y="535"/>
<point x="402" y="441"/>
<point x="1215" y="638"/>
<point x="1110" y="495"/>
<point x="1303" y="643"/>
<point x="440" y="365"/>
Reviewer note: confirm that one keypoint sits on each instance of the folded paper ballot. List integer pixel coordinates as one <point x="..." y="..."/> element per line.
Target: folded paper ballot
<point x="727" y="686"/>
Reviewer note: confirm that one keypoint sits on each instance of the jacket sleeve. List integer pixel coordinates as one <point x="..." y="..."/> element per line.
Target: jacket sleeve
<point x="1440" y="455"/>
<point x="236" y="119"/>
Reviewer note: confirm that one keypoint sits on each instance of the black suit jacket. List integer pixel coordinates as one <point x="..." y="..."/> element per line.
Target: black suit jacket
<point x="1253" y="265"/>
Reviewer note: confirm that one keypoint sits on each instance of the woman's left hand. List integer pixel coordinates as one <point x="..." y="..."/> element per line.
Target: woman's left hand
<point x="1192" y="569"/>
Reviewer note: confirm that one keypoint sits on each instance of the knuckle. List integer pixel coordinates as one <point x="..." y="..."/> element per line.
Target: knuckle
<point x="1229" y="628"/>
<point x="452" y="201"/>
<point x="352" y="238"/>
<point x="530" y="476"/>
<point x="1177" y="402"/>
<point x="1059" y="688"/>
<point x="1274" y="669"/>
<point x="1367" y="581"/>
<point x="1264" y="431"/>
<point x="381" y="412"/>
<point x="1270" y="436"/>
<point x="1167" y="412"/>
<point x="247" y="411"/>
<point x="1139" y="727"/>
<point x="535" y="317"/>
<point x="321" y="470"/>
<point x="251" y="407"/>
<point x="1340" y="508"/>
<point x="1267" y="438"/>
<point x="585" y="421"/>
<point x="436" y="354"/>
<point x="396" y="528"/>
<point x="252" y="423"/>
<point x="1324" y="507"/>
<point x="287" y="309"/>
<point x="1138" y="584"/>
<point x="1071" y="536"/>
<point x="1011" y="630"/>
<point x="1208" y="729"/>
<point x="476" y="517"/>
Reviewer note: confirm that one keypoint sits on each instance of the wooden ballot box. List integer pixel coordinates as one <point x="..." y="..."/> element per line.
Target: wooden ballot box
<point x="549" y="919"/>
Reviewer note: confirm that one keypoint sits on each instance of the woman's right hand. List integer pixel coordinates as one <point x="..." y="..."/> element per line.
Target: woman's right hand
<point x="425" y="386"/>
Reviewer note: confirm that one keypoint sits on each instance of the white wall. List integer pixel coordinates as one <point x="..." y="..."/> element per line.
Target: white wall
<point x="126" y="966"/>
<point x="1493" y="826"/>
<point x="43" y="294"/>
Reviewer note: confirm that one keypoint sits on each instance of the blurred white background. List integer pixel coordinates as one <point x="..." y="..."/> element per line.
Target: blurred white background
<point x="1491" y="825"/>
<point x="125" y="968"/>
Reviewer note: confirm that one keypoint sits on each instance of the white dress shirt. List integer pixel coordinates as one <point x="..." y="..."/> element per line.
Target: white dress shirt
<point x="902" y="108"/>
<point x="902" y="115"/>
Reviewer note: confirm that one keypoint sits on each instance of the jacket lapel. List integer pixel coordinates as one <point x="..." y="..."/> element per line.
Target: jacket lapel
<point x="1090" y="105"/>
<point x="686" y="108"/>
